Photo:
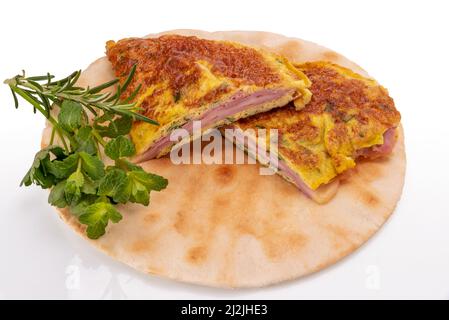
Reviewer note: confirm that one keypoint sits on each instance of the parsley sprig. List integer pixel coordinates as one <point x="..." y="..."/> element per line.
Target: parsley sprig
<point x="87" y="122"/>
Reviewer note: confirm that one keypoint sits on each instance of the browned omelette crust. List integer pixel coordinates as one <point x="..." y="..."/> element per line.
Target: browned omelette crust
<point x="181" y="78"/>
<point x="344" y="98"/>
<point x="174" y="58"/>
<point x="347" y="113"/>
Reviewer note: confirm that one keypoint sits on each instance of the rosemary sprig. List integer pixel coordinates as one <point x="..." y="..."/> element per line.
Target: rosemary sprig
<point x="42" y="92"/>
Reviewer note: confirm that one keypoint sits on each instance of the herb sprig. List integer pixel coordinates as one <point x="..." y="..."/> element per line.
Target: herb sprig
<point x="87" y="122"/>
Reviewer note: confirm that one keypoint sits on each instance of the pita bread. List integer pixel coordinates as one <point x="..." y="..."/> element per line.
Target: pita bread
<point x="228" y="226"/>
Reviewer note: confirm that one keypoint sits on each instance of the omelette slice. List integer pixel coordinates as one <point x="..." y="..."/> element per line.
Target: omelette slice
<point x="186" y="78"/>
<point x="348" y="117"/>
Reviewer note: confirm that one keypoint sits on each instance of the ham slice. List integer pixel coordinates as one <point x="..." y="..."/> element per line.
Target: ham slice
<point x="248" y="143"/>
<point x="380" y="150"/>
<point x="325" y="192"/>
<point x="238" y="103"/>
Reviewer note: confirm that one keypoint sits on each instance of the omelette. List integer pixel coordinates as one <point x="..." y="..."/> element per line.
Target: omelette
<point x="182" y="79"/>
<point x="348" y="117"/>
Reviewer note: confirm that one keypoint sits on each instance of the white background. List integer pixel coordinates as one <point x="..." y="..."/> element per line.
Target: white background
<point x="404" y="44"/>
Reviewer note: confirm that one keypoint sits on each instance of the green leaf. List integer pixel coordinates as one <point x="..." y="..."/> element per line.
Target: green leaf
<point x="70" y="116"/>
<point x="72" y="189"/>
<point x="131" y="166"/>
<point x="150" y="180"/>
<point x="38" y="158"/>
<point x="141" y="183"/>
<point x="43" y="179"/>
<point x="80" y="207"/>
<point x="133" y="186"/>
<point x="108" y="125"/>
<point x="57" y="195"/>
<point x="114" y="185"/>
<point x="90" y="186"/>
<point x="119" y="147"/>
<point x="61" y="169"/>
<point x="97" y="216"/>
<point x="85" y="141"/>
<point x="39" y="171"/>
<point x="57" y="151"/>
<point x="123" y="195"/>
<point x="92" y="165"/>
<point x="140" y="194"/>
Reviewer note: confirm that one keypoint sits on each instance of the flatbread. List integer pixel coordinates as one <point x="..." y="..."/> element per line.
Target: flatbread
<point x="228" y="226"/>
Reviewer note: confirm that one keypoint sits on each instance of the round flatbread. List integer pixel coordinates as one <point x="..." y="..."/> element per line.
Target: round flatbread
<point x="228" y="226"/>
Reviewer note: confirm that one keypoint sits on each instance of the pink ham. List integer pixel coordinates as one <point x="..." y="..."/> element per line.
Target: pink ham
<point x="239" y="102"/>
<point x="382" y="149"/>
<point x="323" y="193"/>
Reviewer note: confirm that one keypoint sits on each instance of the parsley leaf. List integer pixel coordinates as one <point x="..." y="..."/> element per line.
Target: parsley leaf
<point x="57" y="195"/>
<point x="141" y="183"/>
<point x="90" y="186"/>
<point x="85" y="141"/>
<point x="70" y="116"/>
<point x="139" y="193"/>
<point x="97" y="216"/>
<point x="119" y="147"/>
<point x="72" y="189"/>
<point x="80" y="207"/>
<point x="38" y="173"/>
<point x="150" y="180"/>
<point x="114" y="184"/>
<point x="92" y="165"/>
<point x="108" y="125"/>
<point x="61" y="169"/>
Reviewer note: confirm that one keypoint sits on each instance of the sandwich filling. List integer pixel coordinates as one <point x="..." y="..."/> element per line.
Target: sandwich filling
<point x="184" y="79"/>
<point x="348" y="117"/>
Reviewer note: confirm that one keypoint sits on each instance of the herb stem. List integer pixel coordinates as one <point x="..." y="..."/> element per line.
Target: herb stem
<point x="52" y="138"/>
<point x="61" y="132"/>
<point x="98" y="137"/>
<point x="61" y="136"/>
<point x="120" y="163"/>
<point x="78" y="168"/>
<point x="35" y="104"/>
